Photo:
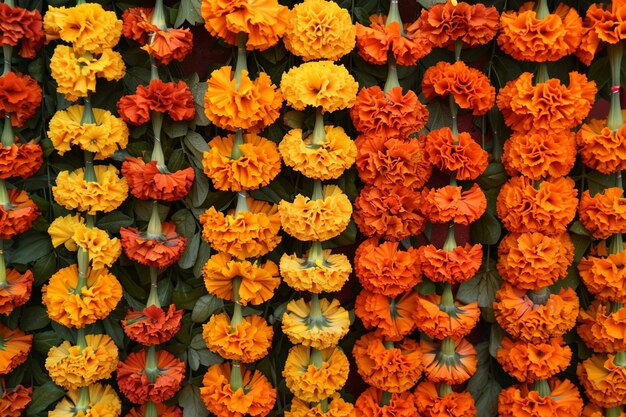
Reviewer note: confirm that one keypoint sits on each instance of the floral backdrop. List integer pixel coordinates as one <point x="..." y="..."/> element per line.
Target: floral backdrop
<point x="374" y="208"/>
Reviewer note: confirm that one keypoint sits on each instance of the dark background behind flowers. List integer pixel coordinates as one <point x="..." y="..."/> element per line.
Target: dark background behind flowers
<point x="184" y="144"/>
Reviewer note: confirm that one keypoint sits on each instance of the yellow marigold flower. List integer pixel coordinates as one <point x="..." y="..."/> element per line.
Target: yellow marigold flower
<point x="320" y="29"/>
<point x="76" y="74"/>
<point x="248" y="342"/>
<point x="62" y="229"/>
<point x="104" y="137"/>
<point x="77" y="308"/>
<point x="258" y="164"/>
<point x="327" y="275"/>
<point x="88" y="27"/>
<point x="323" y="331"/>
<point x="323" y="219"/>
<point x="74" y="193"/>
<point x="72" y="367"/>
<point x="313" y="375"/>
<point x="323" y="161"/>
<point x="319" y="84"/>
<point x="337" y="407"/>
<point x="103" y="250"/>
<point x="103" y="402"/>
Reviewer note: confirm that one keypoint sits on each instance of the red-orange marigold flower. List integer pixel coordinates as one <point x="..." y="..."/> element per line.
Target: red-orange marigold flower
<point x="172" y="98"/>
<point x="458" y="265"/>
<point x="14" y="348"/>
<point x="13" y="401"/>
<point x="604" y="214"/>
<point x="603" y="329"/>
<point x="440" y="321"/>
<point x="605" y="277"/>
<point x="529" y="362"/>
<point x="19" y="216"/>
<point x="20" y="96"/>
<point x="604" y="381"/>
<point x="16" y="290"/>
<point x="153" y="325"/>
<point x="460" y="154"/>
<point x="454" y="404"/>
<point x="159" y="251"/>
<point x="601" y="148"/>
<point x="390" y="318"/>
<point x="448" y="361"/>
<point x="20" y="160"/>
<point x="147" y="182"/>
<point x="449" y="203"/>
<point x="21" y="26"/>
<point x="369" y="404"/>
<point x="162" y="410"/>
<point x="523" y="401"/>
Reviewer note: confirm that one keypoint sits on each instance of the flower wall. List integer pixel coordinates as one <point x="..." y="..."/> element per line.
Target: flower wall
<point x="312" y="208"/>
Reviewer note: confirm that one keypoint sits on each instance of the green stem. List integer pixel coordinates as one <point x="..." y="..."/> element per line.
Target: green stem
<point x="153" y="297"/>
<point x="394" y="16"/>
<point x="3" y="268"/>
<point x="154" y="226"/>
<point x="151" y="410"/>
<point x="236" y="380"/>
<point x="154" y="69"/>
<point x="88" y="116"/>
<point x="324" y="405"/>
<point x="7" y="51"/>
<point x="447" y="299"/>
<point x="4" y="195"/>
<point x="613" y="412"/>
<point x="237" y="313"/>
<point x="242" y="203"/>
<point x="8" y="137"/>
<point x="242" y="57"/>
<point x="542" y="10"/>
<point x="539" y="296"/>
<point x="315" y="256"/>
<point x="90" y="220"/>
<point x="81" y="341"/>
<point x="236" y="153"/>
<point x="450" y="243"/>
<point x="385" y="399"/>
<point x="444" y="389"/>
<point x="615" y="119"/>
<point x="82" y="403"/>
<point x="454" y="110"/>
<point x="152" y="367"/>
<point x="388" y="344"/>
<point x="316" y="358"/>
<point x="617" y="244"/>
<point x="620" y="359"/>
<point x="157" y="151"/>
<point x="318" y="192"/>
<point x="447" y="346"/>
<point x="319" y="133"/>
<point x="90" y="172"/>
<point x="458" y="46"/>
<point x="542" y="73"/>
<point x="614" y="307"/>
<point x="542" y="388"/>
<point x="158" y="16"/>
<point x="83" y="269"/>
<point x="392" y="73"/>
<point x="316" y="308"/>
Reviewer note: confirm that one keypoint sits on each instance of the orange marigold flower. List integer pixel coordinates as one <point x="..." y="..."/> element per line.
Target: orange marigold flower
<point x="369" y="404"/>
<point x="21" y="26"/>
<point x="605" y="277"/>
<point x="321" y="331"/>
<point x="14" y="348"/>
<point x="13" y="401"/>
<point x="546" y="207"/>
<point x="601" y="148"/>
<point x="529" y="362"/>
<point x="546" y="106"/>
<point x="154" y="251"/>
<point x="337" y="407"/>
<point x="607" y="25"/>
<point x="551" y="315"/>
<point x="391" y="213"/>
<point x="20" y="160"/>
<point x="153" y="325"/>
<point x="17" y="216"/>
<point x="257" y="165"/>
<point x="391" y="318"/>
<point x="103" y="401"/>
<point x="15" y="290"/>
<point x="458" y="265"/>
<point x="538" y="154"/>
<point x="460" y="154"/>
<point x="523" y="401"/>
<point x="20" y="96"/>
<point x="162" y="410"/>
<point x="172" y="98"/>
<point x="326" y="160"/>
<point x="255" y="397"/>
<point x="385" y="269"/>
<point x="532" y="260"/>
<point x="603" y="329"/>
<point x="246" y="234"/>
<point x="444" y="23"/>
<point x="527" y="37"/>
<point x="250" y="104"/>
<point x="248" y="341"/>
<point x="393" y="368"/>
<point x="449" y="203"/>
<point x="311" y="383"/>
<point x="454" y="404"/>
<point x="377" y="41"/>
<point x="382" y="161"/>
<point x="389" y="114"/>
<point x="589" y="44"/>
<point x="604" y="214"/>
<point x="148" y="182"/>
<point x="604" y="381"/>
<point x="327" y="274"/>
<point x="258" y="282"/>
<point x="449" y="361"/>
<point x="439" y="321"/>
<point x="264" y="21"/>
<point x="73" y="308"/>
<point x="135" y="384"/>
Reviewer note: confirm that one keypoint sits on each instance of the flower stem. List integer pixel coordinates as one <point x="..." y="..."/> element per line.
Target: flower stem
<point x="458" y="46"/>
<point x="3" y="268"/>
<point x="318" y="193"/>
<point x="316" y="358"/>
<point x="151" y="410"/>
<point x="90" y="172"/>
<point x="319" y="133"/>
<point x="614" y="307"/>
<point x="444" y="389"/>
<point x="620" y="359"/>
<point x="316" y="254"/>
<point x="542" y="388"/>
<point x="242" y="203"/>
<point x="4" y="195"/>
<point x="152" y="367"/>
<point x="80" y="338"/>
<point x="613" y="412"/>
<point x="539" y="296"/>
<point x="617" y="244"/>
<point x="392" y="73"/>
<point x="316" y="308"/>
<point x="242" y="57"/>
<point x="154" y="226"/>
<point x="8" y="137"/>
<point x="153" y="297"/>
<point x="157" y="151"/>
<point x="237" y="317"/>
<point x="542" y="10"/>
<point x="154" y="69"/>
<point x="615" y="119"/>
<point x="324" y="405"/>
<point x="388" y="344"/>
<point x="542" y="73"/>
<point x="82" y="403"/>
<point x="394" y="15"/>
<point x="447" y="346"/>
<point x="158" y="16"/>
<point x="236" y="151"/>
<point x="454" y="110"/>
<point x="236" y="380"/>
<point x="385" y="399"/>
<point x="83" y="269"/>
<point x="450" y="242"/>
<point x="7" y="51"/>
<point x="447" y="299"/>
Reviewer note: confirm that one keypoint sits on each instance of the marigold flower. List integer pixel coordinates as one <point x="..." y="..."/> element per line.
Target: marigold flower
<point x="592" y="410"/>
<point x="605" y="277"/>
<point x="148" y="182"/>
<point x="385" y="269"/>
<point x="393" y="369"/>
<point x="532" y="260"/>
<point x="390" y="318"/>
<point x="453" y="367"/>
<point x="391" y="213"/>
<point x="153" y="325"/>
<point x="546" y="207"/>
<point x="20" y="160"/>
<point x="14" y="348"/>
<point x="308" y="219"/>
<point x="258" y="164"/>
<point x="337" y="407"/>
<point x="439" y="321"/>
<point x="458" y="265"/>
<point x="601" y="148"/>
<point x="103" y="250"/>
<point x="442" y="205"/>
<point x="310" y="383"/>
<point x="389" y="114"/>
<point x="524" y="319"/>
<point x="13" y="401"/>
<point x="320" y="332"/>
<point x="61" y="231"/>
<point x="162" y="410"/>
<point x="248" y="341"/>
<point x="106" y="194"/>
<point x="604" y="214"/>
<point x="382" y="161"/>
<point x="602" y="329"/>
<point x="16" y="290"/>
<point x="324" y="161"/>
<point x="529" y="362"/>
<point x="603" y="380"/>
<point x="172" y="98"/>
<point x="104" y="137"/>
<point x="459" y="154"/>
<point x="523" y="401"/>
<point x="319" y="84"/>
<point x="400" y="405"/>
<point x="18" y="216"/>
<point x="548" y="105"/>
<point x="327" y="275"/>
<point x="589" y="44"/>
<point x="103" y="401"/>
<point x="454" y="404"/>
<point x="21" y="26"/>
<point x="76" y="308"/>
<point x="155" y="251"/>
<point x="73" y="367"/>
<point x="20" y="95"/>
<point x="256" y="397"/>
<point x="76" y="74"/>
<point x="258" y="282"/>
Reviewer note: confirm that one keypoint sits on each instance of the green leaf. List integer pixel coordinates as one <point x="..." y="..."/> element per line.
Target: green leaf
<point x="189" y="11"/>
<point x="347" y="237"/>
<point x="44" y="267"/>
<point x="190" y="254"/>
<point x="43" y="341"/>
<point x="194" y="359"/>
<point x="486" y="230"/>
<point x="205" y="307"/>
<point x="598" y="182"/>
<point x="483" y="385"/>
<point x="191" y="402"/>
<point x="114" y="330"/>
<point x="112" y="222"/>
<point x="198" y="90"/>
<point x="43" y="396"/>
<point x="175" y="129"/>
<point x="196" y="145"/>
<point x="493" y="177"/>
<point x="34" y="318"/>
<point x="29" y="247"/>
<point x="200" y="188"/>
<point x="204" y="253"/>
<point x="185" y="296"/>
<point x="482" y="288"/>
<point x="208" y="358"/>
<point x="185" y="223"/>
<point x="439" y="115"/>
